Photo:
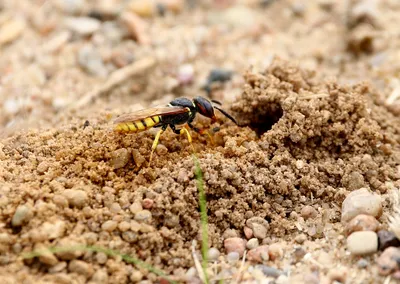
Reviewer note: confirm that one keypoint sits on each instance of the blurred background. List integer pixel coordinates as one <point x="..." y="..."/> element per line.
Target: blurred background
<point x="66" y="60"/>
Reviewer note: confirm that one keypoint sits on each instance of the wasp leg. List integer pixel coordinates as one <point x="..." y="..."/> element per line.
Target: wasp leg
<point x="202" y="131"/>
<point x="155" y="142"/>
<point x="183" y="130"/>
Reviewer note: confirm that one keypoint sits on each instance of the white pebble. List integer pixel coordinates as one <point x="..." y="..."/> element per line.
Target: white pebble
<point x="362" y="243"/>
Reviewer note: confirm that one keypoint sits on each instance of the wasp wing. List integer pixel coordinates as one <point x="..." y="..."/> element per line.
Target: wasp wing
<point x="149" y="112"/>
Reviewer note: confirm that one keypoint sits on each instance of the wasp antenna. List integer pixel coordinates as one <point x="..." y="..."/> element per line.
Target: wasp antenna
<point x="227" y="115"/>
<point x="216" y="102"/>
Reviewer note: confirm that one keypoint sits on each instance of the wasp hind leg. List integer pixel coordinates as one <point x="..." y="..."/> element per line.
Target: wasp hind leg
<point x="181" y="131"/>
<point x="155" y="142"/>
<point x="202" y="131"/>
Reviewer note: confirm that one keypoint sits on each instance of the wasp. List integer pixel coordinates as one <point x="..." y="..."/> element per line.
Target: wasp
<point x="177" y="112"/>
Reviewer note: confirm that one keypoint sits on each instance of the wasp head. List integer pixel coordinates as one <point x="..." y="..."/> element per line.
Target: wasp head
<point x="205" y="107"/>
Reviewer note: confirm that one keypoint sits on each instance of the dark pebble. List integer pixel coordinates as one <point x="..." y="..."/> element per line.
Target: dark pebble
<point x="387" y="239"/>
<point x="219" y="75"/>
<point x="269" y="271"/>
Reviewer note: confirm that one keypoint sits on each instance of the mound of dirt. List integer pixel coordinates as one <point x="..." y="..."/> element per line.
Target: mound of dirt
<point x="301" y="142"/>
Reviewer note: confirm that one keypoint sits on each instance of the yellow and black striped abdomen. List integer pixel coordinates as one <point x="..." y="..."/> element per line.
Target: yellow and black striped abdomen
<point x="138" y="125"/>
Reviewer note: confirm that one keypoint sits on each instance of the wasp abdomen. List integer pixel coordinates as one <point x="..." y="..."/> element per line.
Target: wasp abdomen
<point x="139" y="125"/>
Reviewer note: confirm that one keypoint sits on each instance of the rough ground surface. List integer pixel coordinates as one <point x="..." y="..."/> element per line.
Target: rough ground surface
<point x="310" y="132"/>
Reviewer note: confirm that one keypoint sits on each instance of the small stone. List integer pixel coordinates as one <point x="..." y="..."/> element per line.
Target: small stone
<point x="308" y="212"/>
<point x="362" y="222"/>
<point x="100" y="276"/>
<point x="115" y="208"/>
<point x="248" y="232"/>
<point x="388" y="261"/>
<point x="185" y="74"/>
<point x="76" y="197"/>
<point x="138" y="158"/>
<point x="143" y="216"/>
<point x="235" y="245"/>
<point x="60" y="200"/>
<point x="109" y="226"/>
<point x="229" y="233"/>
<point x="161" y="150"/>
<point x="83" y="26"/>
<point x="136" y="27"/>
<point x="219" y="75"/>
<point x="11" y="30"/>
<point x="362" y="243"/>
<point x="71" y="6"/>
<point x="175" y="6"/>
<point x="69" y="254"/>
<point x="147" y="203"/>
<point x="58" y="267"/>
<point x="136" y="276"/>
<point x="387" y="239"/>
<point x="213" y="254"/>
<point x="233" y="257"/>
<point x="43" y="167"/>
<point x="124" y="226"/>
<point x="101" y="258"/>
<point x="363" y="263"/>
<point x="81" y="267"/>
<point x="298" y="254"/>
<point x="172" y="221"/>
<point x="361" y="202"/>
<point x="22" y="215"/>
<point x="275" y="251"/>
<point x="301" y="238"/>
<point x="337" y="275"/>
<point x="258" y="254"/>
<point x="269" y="271"/>
<point x="57" y="42"/>
<point x="46" y="256"/>
<point x="252" y="243"/>
<point x="120" y="158"/>
<point x="130" y="236"/>
<point x="91" y="61"/>
<point x="259" y="231"/>
<point x="135" y="207"/>
<point x="143" y="8"/>
<point x="53" y="230"/>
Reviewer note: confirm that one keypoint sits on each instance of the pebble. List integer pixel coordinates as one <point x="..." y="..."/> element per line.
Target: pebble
<point x="119" y="158"/>
<point x="387" y="262"/>
<point x="135" y="207"/>
<point x="58" y="267"/>
<point x="100" y="276"/>
<point x="53" y="230"/>
<point x="57" y="42"/>
<point x="147" y="203"/>
<point x="129" y="236"/>
<point x="248" y="232"/>
<point x="83" y="26"/>
<point x="258" y="254"/>
<point x="76" y="197"/>
<point x="235" y="245"/>
<point x="11" y="30"/>
<point x="136" y="276"/>
<point x="138" y="158"/>
<point x="308" y="212"/>
<point x="213" y="254"/>
<point x="219" y="75"/>
<point x="185" y="74"/>
<point x="238" y="16"/>
<point x="46" y="256"/>
<point x="337" y="275"/>
<point x="43" y="167"/>
<point x="101" y="258"/>
<point x="143" y="8"/>
<point x="136" y="27"/>
<point x="361" y="201"/>
<point x="124" y="226"/>
<point x="387" y="239"/>
<point x="71" y="6"/>
<point x="81" y="267"/>
<point x="233" y="256"/>
<point x="70" y="254"/>
<point x="275" y="251"/>
<point x="362" y="222"/>
<point x="363" y="263"/>
<point x="143" y="216"/>
<point x="299" y="253"/>
<point x="109" y="226"/>
<point x="259" y="231"/>
<point x="252" y="243"/>
<point x="362" y="243"/>
<point x="301" y="238"/>
<point x="229" y="233"/>
<point x="22" y="215"/>
<point x="269" y="271"/>
<point x="91" y="61"/>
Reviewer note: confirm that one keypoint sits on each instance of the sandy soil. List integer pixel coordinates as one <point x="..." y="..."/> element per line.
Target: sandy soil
<point x="314" y="89"/>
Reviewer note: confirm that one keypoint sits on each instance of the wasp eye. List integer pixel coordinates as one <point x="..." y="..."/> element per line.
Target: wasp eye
<point x="204" y="107"/>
